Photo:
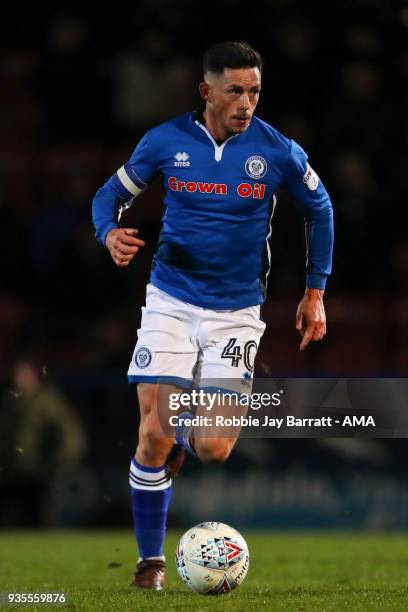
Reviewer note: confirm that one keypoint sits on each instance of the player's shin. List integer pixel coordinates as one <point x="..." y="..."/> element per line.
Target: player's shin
<point x="150" y="490"/>
<point x="184" y="432"/>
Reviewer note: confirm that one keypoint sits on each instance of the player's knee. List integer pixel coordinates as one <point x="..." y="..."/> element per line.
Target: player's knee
<point x="212" y="450"/>
<point x="153" y="446"/>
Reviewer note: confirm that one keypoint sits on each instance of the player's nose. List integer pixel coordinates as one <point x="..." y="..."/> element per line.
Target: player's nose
<point x="244" y="102"/>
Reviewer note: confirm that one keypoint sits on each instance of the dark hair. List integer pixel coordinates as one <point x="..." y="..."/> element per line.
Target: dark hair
<point x="231" y="54"/>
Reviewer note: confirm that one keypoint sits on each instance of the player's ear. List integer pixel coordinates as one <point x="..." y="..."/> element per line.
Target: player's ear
<point x="204" y="89"/>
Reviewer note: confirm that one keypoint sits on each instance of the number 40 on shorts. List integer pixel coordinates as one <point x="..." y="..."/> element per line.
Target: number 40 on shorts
<point x="232" y="351"/>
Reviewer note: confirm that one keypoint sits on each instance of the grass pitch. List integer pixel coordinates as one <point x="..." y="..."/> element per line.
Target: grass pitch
<point x="298" y="572"/>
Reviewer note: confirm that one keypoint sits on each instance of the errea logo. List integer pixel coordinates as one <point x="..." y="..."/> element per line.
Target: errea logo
<point x="182" y="160"/>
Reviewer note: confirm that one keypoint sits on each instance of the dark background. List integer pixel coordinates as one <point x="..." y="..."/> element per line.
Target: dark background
<point x="77" y="90"/>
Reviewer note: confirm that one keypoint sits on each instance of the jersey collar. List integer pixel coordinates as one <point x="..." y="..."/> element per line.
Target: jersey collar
<point x="199" y="120"/>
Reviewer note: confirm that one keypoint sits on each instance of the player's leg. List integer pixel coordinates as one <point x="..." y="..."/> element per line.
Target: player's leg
<point x="151" y="489"/>
<point x="153" y="447"/>
<point x="209" y="442"/>
<point x="214" y="443"/>
<point x="229" y="343"/>
<point x="164" y="358"/>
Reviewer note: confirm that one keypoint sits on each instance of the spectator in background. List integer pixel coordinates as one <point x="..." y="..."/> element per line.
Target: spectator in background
<point x="42" y="442"/>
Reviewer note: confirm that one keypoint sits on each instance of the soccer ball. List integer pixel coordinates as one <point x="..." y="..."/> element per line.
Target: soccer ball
<point x="212" y="558"/>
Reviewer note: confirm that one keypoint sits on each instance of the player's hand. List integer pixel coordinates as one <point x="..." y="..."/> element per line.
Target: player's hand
<point x="123" y="245"/>
<point x="311" y="317"/>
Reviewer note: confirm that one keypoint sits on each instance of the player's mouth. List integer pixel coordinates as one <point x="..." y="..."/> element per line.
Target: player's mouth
<point x="241" y="121"/>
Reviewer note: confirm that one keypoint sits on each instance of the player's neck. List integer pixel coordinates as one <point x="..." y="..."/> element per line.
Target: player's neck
<point x="217" y="131"/>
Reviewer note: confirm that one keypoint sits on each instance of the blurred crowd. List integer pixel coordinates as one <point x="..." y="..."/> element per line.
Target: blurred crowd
<point x="78" y="90"/>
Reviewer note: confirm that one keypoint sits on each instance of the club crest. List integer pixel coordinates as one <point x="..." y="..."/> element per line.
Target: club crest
<point x="256" y="167"/>
<point x="143" y="357"/>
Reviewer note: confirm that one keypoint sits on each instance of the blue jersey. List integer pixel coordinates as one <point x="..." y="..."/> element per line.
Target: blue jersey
<point x="213" y="249"/>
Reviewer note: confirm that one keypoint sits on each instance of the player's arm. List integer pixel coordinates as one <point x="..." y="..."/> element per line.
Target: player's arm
<point x="115" y="196"/>
<point x="314" y="203"/>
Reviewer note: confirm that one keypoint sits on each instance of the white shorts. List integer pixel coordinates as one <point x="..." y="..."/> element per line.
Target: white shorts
<point x="185" y="345"/>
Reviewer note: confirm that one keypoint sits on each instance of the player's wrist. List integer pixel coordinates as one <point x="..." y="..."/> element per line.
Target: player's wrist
<point x="110" y="233"/>
<point x="312" y="293"/>
<point x="107" y="231"/>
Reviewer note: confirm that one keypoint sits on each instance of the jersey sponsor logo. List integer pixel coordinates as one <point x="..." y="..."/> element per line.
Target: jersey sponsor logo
<point x="310" y="178"/>
<point x="143" y="357"/>
<point x="182" y="160"/>
<point x="244" y="190"/>
<point x="256" y="167"/>
<point x="192" y="186"/>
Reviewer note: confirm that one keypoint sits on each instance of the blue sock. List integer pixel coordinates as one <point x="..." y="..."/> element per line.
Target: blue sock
<point x="184" y="432"/>
<point x="150" y="491"/>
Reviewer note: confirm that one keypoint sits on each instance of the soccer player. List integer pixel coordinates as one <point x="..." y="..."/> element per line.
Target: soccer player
<point x="221" y="167"/>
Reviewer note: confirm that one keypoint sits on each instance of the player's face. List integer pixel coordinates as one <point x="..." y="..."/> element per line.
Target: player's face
<point x="231" y="98"/>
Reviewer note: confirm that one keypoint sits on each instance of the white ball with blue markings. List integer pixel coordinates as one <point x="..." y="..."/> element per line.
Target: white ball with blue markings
<point x="212" y="558"/>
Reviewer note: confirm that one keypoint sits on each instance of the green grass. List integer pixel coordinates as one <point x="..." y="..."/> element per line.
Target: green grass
<point x="298" y="572"/>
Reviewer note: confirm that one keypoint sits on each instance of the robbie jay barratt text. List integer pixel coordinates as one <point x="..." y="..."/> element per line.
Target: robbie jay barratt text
<point x="289" y="421"/>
